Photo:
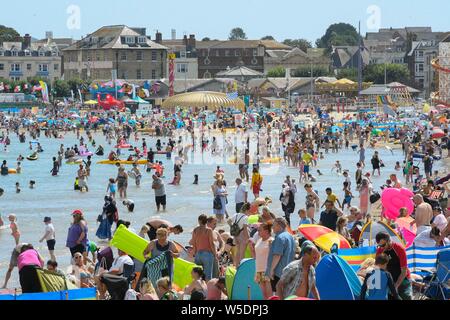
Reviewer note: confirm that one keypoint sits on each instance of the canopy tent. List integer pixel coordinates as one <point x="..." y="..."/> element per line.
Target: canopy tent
<point x="323" y="237"/>
<point x="200" y="99"/>
<point x="372" y="228"/>
<point x="336" y="279"/>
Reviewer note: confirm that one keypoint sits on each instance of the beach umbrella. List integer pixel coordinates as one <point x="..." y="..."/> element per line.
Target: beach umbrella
<point x="437" y="133"/>
<point x="323" y="237"/>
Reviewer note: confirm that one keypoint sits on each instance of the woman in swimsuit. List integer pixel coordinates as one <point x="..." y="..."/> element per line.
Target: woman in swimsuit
<point x="312" y="201"/>
<point x="14" y="228"/>
<point x="122" y="182"/>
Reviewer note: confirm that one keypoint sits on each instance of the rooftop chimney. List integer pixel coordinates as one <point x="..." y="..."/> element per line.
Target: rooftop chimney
<point x="26" y="41"/>
<point x="174" y="34"/>
<point x="158" y="37"/>
<point x="191" y="41"/>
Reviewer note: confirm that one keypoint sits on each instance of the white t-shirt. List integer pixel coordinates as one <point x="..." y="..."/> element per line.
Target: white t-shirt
<point x="241" y="219"/>
<point x="262" y="254"/>
<point x="239" y="196"/>
<point x="50" y="232"/>
<point x="120" y="261"/>
<point x="423" y="240"/>
<point x="440" y="221"/>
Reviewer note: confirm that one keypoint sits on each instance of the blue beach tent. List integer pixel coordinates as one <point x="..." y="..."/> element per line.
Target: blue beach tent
<point x="336" y="279"/>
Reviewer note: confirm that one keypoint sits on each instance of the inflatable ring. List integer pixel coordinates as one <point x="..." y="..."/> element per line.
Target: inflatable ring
<point x="393" y="199"/>
<point x="32" y="158"/>
<point x="12" y="171"/>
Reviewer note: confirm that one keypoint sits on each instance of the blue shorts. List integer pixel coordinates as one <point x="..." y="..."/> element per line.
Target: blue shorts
<point x="306" y="169"/>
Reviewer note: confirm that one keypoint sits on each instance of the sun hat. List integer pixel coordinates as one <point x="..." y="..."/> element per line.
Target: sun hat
<point x="77" y="212"/>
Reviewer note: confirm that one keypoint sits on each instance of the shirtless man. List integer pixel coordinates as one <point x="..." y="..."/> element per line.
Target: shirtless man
<point x="204" y="247"/>
<point x="82" y="174"/>
<point x="155" y="224"/>
<point x="298" y="277"/>
<point x="424" y="213"/>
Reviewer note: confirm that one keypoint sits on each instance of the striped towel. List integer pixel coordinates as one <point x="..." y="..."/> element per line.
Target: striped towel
<point x="156" y="268"/>
<point x="422" y="261"/>
<point x="355" y="257"/>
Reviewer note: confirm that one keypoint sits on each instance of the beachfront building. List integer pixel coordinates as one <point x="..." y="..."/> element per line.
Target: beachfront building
<point x="129" y="51"/>
<point x="215" y="56"/>
<point x="296" y="58"/>
<point x="24" y="58"/>
<point x="186" y="64"/>
<point x="347" y="57"/>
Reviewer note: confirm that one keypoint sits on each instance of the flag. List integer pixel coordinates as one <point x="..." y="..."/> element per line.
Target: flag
<point x="17" y="89"/>
<point x="232" y="95"/>
<point x="81" y="96"/>
<point x="44" y="88"/>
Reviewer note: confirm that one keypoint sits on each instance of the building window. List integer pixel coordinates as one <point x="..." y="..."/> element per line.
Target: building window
<point x="15" y="67"/>
<point x="154" y="56"/>
<point x="255" y="52"/>
<point x="2" y="67"/>
<point x="27" y="53"/>
<point x="227" y="53"/>
<point x="182" y="67"/>
<point x="217" y="53"/>
<point x="419" y="54"/>
<point x="183" y="54"/>
<point x="153" y="74"/>
<point x="43" y="67"/>
<point x="124" y="75"/>
<point x="97" y="56"/>
<point x="129" y="40"/>
<point x="41" y="53"/>
<point x="420" y="67"/>
<point x="142" y="40"/>
<point x="15" y="78"/>
<point x="123" y="56"/>
<point x="237" y="53"/>
<point x="2" y="53"/>
<point x="14" y="53"/>
<point x="56" y="67"/>
<point x="139" y="56"/>
<point x="139" y="74"/>
<point x="29" y="66"/>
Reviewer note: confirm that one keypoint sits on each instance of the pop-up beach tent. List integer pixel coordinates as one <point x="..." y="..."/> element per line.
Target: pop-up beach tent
<point x="372" y="228"/>
<point x="336" y="279"/>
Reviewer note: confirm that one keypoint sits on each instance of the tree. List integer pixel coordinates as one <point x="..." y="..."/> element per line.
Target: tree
<point x="339" y="34"/>
<point x="302" y="44"/>
<point x="8" y="34"/>
<point x="304" y="72"/>
<point x="277" y="72"/>
<point x="268" y="38"/>
<point x="237" y="34"/>
<point x="61" y="88"/>
<point x="348" y="73"/>
<point x="206" y="39"/>
<point x="395" y="73"/>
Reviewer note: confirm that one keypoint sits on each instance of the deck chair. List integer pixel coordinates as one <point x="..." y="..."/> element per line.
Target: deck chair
<point x="438" y="287"/>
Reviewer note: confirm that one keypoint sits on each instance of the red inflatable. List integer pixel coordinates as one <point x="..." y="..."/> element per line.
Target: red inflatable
<point x="110" y="103"/>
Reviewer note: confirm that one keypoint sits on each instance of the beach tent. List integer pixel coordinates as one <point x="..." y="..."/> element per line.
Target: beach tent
<point x="336" y="280"/>
<point x="323" y="237"/>
<point x="355" y="257"/>
<point x="244" y="286"/>
<point x="372" y="228"/>
<point x="76" y="294"/>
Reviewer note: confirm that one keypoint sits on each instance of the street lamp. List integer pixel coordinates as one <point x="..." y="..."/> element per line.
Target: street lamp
<point x="185" y="72"/>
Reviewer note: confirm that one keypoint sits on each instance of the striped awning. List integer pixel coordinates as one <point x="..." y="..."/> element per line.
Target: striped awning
<point x="201" y="99"/>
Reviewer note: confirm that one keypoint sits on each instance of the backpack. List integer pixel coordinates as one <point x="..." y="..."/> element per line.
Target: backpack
<point x="235" y="230"/>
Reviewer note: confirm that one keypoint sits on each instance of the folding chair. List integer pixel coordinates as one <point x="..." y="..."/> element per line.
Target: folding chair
<point x="438" y="287"/>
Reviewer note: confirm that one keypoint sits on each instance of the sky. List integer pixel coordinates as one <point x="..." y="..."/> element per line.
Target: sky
<point x="281" y="19"/>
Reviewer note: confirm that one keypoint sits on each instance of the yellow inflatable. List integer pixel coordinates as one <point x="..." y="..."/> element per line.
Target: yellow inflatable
<point x="134" y="245"/>
<point x="12" y="171"/>
<point x="142" y="161"/>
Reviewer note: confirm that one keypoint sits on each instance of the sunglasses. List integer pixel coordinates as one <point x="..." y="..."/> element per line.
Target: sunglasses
<point x="78" y="257"/>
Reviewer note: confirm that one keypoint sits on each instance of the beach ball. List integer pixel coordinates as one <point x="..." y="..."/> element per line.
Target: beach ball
<point x="393" y="199"/>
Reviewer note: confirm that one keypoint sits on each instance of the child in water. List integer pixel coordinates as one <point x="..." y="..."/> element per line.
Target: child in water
<point x="397" y="166"/>
<point x="17" y="187"/>
<point x="112" y="188"/>
<point x="18" y="168"/>
<point x="14" y="228"/>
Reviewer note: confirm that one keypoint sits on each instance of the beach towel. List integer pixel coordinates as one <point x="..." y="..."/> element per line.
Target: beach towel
<point x="157" y="268"/>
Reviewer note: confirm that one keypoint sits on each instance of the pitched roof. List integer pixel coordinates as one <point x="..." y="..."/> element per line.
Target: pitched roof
<point x="240" y="71"/>
<point x="381" y="89"/>
<point x="111" y="37"/>
<point x="181" y="85"/>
